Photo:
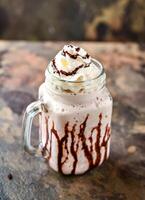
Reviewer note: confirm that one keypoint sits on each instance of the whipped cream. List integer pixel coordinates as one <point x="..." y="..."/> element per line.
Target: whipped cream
<point x="73" y="63"/>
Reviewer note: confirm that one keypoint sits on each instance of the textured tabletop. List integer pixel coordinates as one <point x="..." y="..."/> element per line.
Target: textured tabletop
<point x="122" y="177"/>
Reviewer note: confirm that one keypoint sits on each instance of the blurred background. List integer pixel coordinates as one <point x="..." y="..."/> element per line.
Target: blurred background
<point x="105" y="20"/>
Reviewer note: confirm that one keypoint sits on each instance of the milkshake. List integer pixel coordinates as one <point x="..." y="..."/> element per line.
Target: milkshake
<point x="75" y="109"/>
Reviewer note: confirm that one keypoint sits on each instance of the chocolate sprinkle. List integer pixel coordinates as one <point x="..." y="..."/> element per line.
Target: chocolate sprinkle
<point x="10" y="176"/>
<point x="77" y="49"/>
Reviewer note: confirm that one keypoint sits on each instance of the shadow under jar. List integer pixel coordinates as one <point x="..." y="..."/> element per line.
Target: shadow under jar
<point x="75" y="123"/>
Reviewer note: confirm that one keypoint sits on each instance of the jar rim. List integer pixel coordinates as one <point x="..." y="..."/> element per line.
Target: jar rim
<point x="96" y="62"/>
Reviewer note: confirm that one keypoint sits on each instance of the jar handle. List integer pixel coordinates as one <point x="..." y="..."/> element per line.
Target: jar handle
<point x="32" y="110"/>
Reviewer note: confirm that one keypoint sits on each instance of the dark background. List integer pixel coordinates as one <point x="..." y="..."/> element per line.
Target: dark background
<point x="97" y="20"/>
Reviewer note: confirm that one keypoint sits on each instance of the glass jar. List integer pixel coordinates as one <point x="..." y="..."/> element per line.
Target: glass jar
<point x="75" y="123"/>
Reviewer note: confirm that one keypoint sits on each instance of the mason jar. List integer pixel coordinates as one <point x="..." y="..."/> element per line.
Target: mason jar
<point x="74" y="123"/>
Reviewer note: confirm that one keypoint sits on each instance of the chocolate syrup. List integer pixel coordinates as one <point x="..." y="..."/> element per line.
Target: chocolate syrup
<point x="97" y="143"/>
<point x="70" y="55"/>
<point x="70" y="45"/>
<point x="78" y="48"/>
<point x="72" y="72"/>
<point x="65" y="142"/>
<point x="91" y="143"/>
<point x="84" y="144"/>
<point x="54" y="131"/>
<point x="70" y="132"/>
<point x="72" y="150"/>
<point x="54" y="64"/>
<point x="105" y="140"/>
<point x="50" y="147"/>
<point x="87" y="55"/>
<point x="73" y="57"/>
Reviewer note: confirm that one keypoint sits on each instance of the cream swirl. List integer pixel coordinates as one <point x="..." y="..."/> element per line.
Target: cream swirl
<point x="73" y="64"/>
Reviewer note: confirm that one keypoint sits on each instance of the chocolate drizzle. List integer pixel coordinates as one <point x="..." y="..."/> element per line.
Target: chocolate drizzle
<point x="91" y="143"/>
<point x="70" y="55"/>
<point x="73" y="140"/>
<point x="105" y="140"/>
<point x="87" y="55"/>
<point x="72" y="72"/>
<point x="73" y="56"/>
<point x="78" y="49"/>
<point x="84" y="144"/>
<point x="67" y="73"/>
<point x="72" y="150"/>
<point x="65" y="142"/>
<point x="54" y="131"/>
<point x="50" y="147"/>
<point x="54" y="64"/>
<point x="97" y="143"/>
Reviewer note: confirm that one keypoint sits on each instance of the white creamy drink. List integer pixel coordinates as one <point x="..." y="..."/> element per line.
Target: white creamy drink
<point x="75" y="109"/>
<point x="75" y="122"/>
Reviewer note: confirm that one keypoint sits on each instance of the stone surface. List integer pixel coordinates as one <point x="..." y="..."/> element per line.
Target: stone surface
<point x="122" y="177"/>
